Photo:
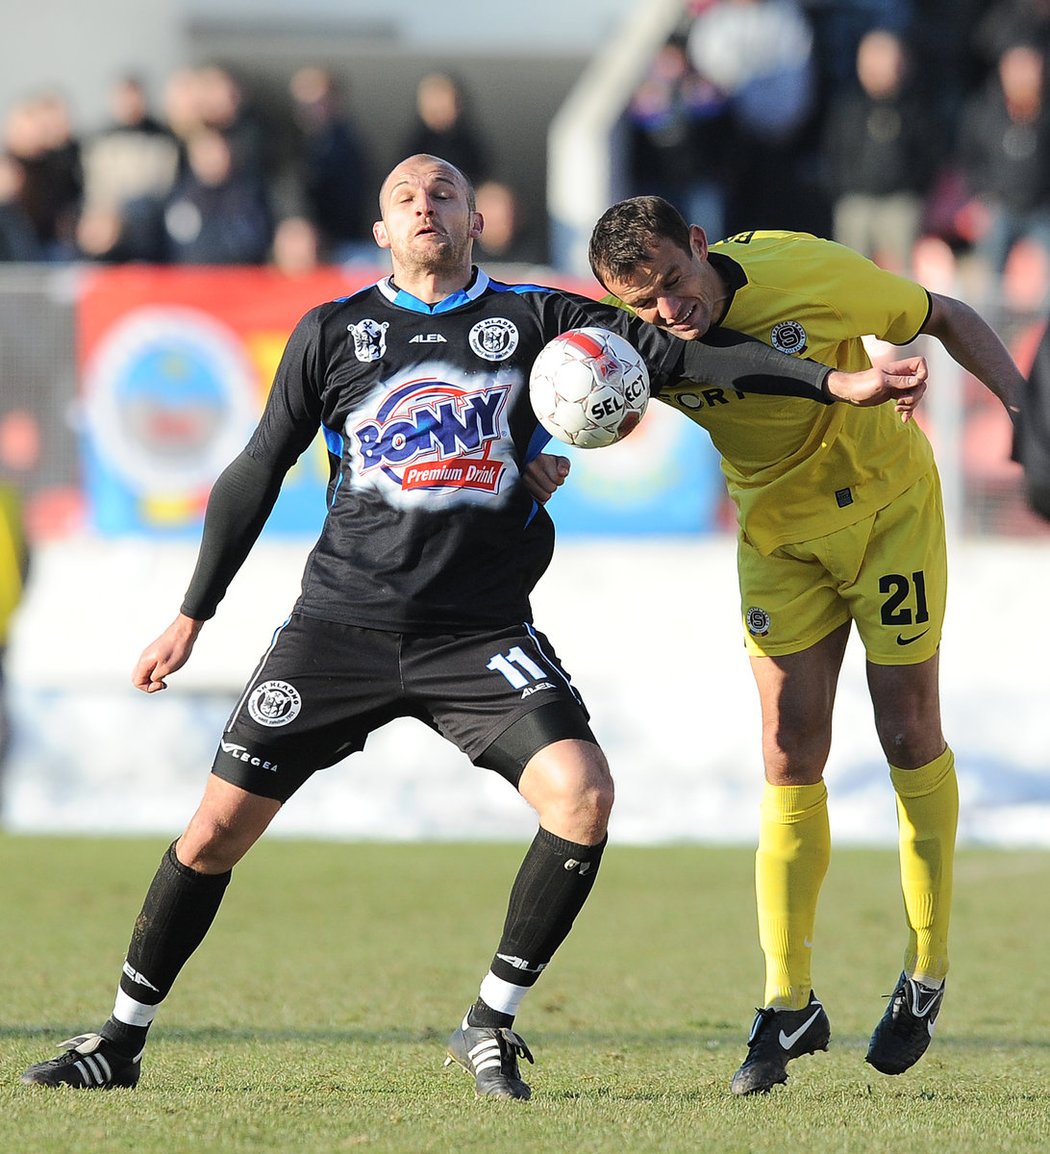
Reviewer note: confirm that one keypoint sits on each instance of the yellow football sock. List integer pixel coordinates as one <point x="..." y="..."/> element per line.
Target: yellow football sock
<point x="794" y="847"/>
<point x="927" y="817"/>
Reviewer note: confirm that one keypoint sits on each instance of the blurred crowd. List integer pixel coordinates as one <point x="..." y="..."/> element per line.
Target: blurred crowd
<point x="876" y="122"/>
<point x="205" y="178"/>
<point x="879" y="123"/>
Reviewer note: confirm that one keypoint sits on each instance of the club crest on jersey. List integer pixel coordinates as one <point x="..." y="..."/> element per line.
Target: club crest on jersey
<point x="789" y="337"/>
<point x="430" y="434"/>
<point x="369" y="339"/>
<point x="494" y="338"/>
<point x="274" y="703"/>
<point x="758" y="621"/>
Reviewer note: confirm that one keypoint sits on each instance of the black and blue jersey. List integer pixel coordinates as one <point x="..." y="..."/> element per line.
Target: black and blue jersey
<point x="426" y="414"/>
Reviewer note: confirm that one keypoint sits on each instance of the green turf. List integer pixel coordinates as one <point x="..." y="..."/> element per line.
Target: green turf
<point x="314" y="1016"/>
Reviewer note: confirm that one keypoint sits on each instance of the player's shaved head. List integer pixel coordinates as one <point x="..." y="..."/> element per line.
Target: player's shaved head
<point x="413" y="169"/>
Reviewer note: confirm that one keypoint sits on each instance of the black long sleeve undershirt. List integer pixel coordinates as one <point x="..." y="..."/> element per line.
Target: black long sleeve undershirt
<point x="753" y="366"/>
<point x="241" y="500"/>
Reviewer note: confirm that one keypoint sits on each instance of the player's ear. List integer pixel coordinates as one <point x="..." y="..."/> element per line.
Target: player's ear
<point x="698" y="241"/>
<point x="478" y="225"/>
<point x="380" y="234"/>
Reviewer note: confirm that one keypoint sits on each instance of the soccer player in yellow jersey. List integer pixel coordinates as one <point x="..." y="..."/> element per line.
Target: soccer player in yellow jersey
<point x="840" y="523"/>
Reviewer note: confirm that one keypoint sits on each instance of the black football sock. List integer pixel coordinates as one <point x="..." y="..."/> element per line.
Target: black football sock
<point x="553" y="882"/>
<point x="178" y="910"/>
<point x="482" y="1014"/>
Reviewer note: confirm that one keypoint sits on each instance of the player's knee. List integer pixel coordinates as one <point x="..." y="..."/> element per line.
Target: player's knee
<point x="597" y="797"/>
<point x="909" y="736"/>
<point x="796" y="755"/>
<point x="571" y="787"/>
<point x="585" y="787"/>
<point x="213" y="845"/>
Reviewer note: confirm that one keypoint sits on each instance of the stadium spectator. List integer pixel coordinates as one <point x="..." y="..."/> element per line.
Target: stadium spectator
<point x="296" y="248"/>
<point x="442" y="126"/>
<point x="39" y="135"/>
<point x="759" y="54"/>
<point x="415" y="600"/>
<point x="135" y="155"/>
<point x="183" y="108"/>
<point x="680" y="138"/>
<point x="224" y="106"/>
<point x="18" y="240"/>
<point x="331" y="163"/>
<point x="1003" y="153"/>
<point x="507" y="236"/>
<point x="881" y="152"/>
<point x="840" y="522"/>
<point x="215" y="214"/>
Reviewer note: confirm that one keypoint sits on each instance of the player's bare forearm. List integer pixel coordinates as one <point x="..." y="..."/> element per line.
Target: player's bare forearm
<point x="544" y="474"/>
<point x="973" y="343"/>
<point x="169" y="652"/>
<point x="902" y="382"/>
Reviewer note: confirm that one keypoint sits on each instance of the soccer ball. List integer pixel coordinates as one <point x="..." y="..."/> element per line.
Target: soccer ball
<point x="589" y="387"/>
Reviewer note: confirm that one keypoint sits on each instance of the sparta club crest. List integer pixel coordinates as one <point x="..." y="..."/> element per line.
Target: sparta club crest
<point x="758" y="622"/>
<point x="789" y="337"/>
<point x="274" y="703"/>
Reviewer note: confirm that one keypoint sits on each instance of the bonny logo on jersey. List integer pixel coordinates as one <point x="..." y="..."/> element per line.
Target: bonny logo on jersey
<point x="494" y="338"/>
<point x="789" y="337"/>
<point x="274" y="703"/>
<point x="369" y="339"/>
<point x="429" y="433"/>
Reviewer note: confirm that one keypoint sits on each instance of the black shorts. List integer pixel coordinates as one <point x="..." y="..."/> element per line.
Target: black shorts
<point x="322" y="688"/>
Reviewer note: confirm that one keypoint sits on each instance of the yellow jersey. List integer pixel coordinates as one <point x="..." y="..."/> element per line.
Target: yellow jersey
<point x="798" y="470"/>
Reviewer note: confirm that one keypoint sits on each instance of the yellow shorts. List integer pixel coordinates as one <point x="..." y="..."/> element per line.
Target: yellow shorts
<point x="888" y="573"/>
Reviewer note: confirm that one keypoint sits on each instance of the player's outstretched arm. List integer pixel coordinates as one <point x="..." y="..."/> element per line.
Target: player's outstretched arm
<point x="168" y="653"/>
<point x="902" y="382"/>
<point x="974" y="344"/>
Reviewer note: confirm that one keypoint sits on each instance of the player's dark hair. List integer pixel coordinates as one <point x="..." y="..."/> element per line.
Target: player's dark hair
<point x="626" y="233"/>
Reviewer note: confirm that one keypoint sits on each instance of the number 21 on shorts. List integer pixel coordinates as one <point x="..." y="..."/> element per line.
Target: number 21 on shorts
<point x="901" y="589"/>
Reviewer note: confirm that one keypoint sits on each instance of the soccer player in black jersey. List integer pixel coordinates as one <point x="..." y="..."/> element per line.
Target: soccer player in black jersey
<point x="415" y="598"/>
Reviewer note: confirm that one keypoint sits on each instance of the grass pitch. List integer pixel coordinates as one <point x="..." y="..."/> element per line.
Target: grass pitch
<point x="314" y="1016"/>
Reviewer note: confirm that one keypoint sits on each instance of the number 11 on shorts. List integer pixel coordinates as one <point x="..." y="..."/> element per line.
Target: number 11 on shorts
<point x="511" y="664"/>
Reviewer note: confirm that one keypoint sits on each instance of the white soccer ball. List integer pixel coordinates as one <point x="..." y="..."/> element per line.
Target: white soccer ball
<point x="589" y="387"/>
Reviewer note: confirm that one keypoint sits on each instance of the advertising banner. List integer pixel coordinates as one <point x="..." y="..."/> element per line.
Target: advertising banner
<point x="174" y="368"/>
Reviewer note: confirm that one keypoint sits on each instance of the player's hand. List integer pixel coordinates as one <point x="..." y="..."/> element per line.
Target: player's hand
<point x="544" y="474"/>
<point x="902" y="382"/>
<point x="169" y="652"/>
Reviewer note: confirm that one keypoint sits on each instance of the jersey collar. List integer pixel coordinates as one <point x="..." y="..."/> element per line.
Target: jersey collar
<point x="404" y="300"/>
<point x="733" y="276"/>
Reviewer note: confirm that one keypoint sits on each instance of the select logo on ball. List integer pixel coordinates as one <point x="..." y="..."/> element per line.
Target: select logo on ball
<point x="589" y="387"/>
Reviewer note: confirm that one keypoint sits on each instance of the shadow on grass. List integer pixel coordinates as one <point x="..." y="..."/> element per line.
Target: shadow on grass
<point x="687" y="1039"/>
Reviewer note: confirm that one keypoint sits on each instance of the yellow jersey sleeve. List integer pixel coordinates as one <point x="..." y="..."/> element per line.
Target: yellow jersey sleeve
<point x="797" y="470"/>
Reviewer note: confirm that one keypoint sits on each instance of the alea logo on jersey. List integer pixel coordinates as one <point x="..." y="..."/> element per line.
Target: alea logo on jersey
<point x="430" y="434"/>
